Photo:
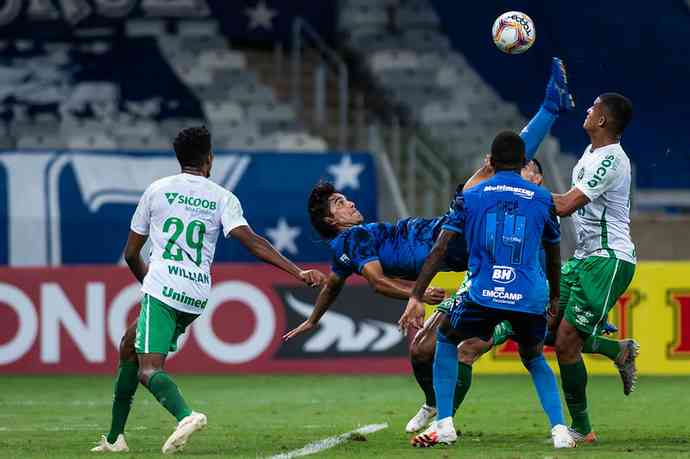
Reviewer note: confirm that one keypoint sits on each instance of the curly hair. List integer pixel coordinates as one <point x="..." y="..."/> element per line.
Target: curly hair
<point x="192" y="146"/>
<point x="319" y="209"/>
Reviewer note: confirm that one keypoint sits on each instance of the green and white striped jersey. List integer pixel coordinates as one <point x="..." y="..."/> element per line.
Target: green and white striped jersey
<point x="603" y="226"/>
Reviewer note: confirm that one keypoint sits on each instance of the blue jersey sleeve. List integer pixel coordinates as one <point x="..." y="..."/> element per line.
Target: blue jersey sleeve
<point x="361" y="248"/>
<point x="536" y="130"/>
<point x="341" y="269"/>
<point x="455" y="222"/>
<point x="552" y="228"/>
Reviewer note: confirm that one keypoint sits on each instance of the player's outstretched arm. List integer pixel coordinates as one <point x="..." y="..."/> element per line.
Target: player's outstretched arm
<point x="263" y="250"/>
<point x="135" y="242"/>
<point x="393" y="288"/>
<point x="326" y="298"/>
<point x="569" y="202"/>
<point x="414" y="312"/>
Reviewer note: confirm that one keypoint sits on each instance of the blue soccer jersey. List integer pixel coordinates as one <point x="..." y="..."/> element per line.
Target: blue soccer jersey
<point x="505" y="220"/>
<point x="401" y="248"/>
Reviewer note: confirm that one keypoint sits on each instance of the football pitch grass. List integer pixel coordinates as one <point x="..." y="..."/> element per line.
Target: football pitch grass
<point x="262" y="416"/>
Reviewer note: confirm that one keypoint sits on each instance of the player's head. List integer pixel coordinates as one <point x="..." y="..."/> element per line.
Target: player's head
<point x="193" y="149"/>
<point x="330" y="211"/>
<point x="533" y="172"/>
<point x="507" y="151"/>
<point x="610" y="112"/>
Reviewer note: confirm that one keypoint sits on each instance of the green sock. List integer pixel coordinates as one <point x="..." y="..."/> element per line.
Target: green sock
<point x="463" y="384"/>
<point x="166" y="392"/>
<point x="574" y="383"/>
<point x="600" y="345"/>
<point x="124" y="388"/>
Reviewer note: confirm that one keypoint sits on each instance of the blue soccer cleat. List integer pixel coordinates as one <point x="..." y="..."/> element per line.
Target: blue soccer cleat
<point x="558" y="98"/>
<point x="609" y="329"/>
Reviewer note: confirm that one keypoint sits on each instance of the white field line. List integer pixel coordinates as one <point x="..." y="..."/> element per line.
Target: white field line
<point x="330" y="442"/>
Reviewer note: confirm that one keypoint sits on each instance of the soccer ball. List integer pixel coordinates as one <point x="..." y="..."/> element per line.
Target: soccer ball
<point x="513" y="32"/>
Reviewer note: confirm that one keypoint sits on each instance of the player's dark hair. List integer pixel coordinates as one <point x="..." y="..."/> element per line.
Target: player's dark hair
<point x="538" y="164"/>
<point x="508" y="151"/>
<point x="192" y="146"/>
<point x="619" y="110"/>
<point x="319" y="209"/>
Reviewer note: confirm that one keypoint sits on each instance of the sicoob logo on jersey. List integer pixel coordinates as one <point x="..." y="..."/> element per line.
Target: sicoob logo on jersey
<point x="190" y="201"/>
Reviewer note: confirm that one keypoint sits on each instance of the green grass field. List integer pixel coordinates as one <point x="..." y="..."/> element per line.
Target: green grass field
<point x="260" y="416"/>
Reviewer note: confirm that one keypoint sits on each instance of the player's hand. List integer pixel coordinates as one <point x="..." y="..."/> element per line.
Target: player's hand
<point x="413" y="315"/>
<point x="434" y="295"/>
<point x="312" y="277"/>
<point x="429" y="328"/>
<point x="301" y="328"/>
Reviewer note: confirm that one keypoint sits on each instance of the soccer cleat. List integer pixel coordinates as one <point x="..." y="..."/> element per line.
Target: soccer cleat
<point x="625" y="362"/>
<point x="186" y="427"/>
<point x="609" y="329"/>
<point x="439" y="432"/>
<point x="561" y="437"/>
<point x="422" y="419"/>
<point x="579" y="438"/>
<point x="502" y="332"/>
<point x="558" y="98"/>
<point x="120" y="445"/>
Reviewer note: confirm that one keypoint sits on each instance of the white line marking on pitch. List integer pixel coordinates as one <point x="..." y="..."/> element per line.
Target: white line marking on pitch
<point x="330" y="442"/>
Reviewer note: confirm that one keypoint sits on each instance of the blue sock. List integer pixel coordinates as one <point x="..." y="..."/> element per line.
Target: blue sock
<point x="445" y="375"/>
<point x="547" y="389"/>
<point x="538" y="127"/>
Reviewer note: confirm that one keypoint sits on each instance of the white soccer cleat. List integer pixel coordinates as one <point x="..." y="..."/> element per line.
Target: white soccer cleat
<point x="439" y="432"/>
<point x="120" y="445"/>
<point x="561" y="437"/>
<point x="422" y="419"/>
<point x="186" y="427"/>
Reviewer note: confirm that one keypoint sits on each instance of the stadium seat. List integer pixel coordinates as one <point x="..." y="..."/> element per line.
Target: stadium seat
<point x="415" y="17"/>
<point x="425" y="40"/>
<point x="228" y="77"/>
<point x="251" y="93"/>
<point x="299" y="141"/>
<point x="144" y="28"/>
<point x="200" y="43"/>
<point x="144" y="143"/>
<point x="38" y="141"/>
<point x="270" y="112"/>
<point x="223" y="111"/>
<point x="209" y="28"/>
<point x="224" y="129"/>
<point x="444" y="112"/>
<point x="393" y="59"/>
<point x="222" y="59"/>
<point x="92" y="142"/>
<point x="363" y="15"/>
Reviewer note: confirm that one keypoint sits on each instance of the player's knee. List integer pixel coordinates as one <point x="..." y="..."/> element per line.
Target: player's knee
<point x="466" y="356"/>
<point x="421" y="353"/>
<point x="126" y="349"/>
<point x="568" y="343"/>
<point x="145" y="374"/>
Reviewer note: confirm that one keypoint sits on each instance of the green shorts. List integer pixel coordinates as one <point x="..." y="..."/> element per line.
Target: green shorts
<point x="589" y="289"/>
<point x="159" y="326"/>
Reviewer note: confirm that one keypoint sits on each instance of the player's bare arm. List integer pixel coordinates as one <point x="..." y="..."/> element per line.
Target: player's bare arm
<point x="326" y="298"/>
<point x="394" y="288"/>
<point x="567" y="203"/>
<point x="135" y="242"/>
<point x="414" y="312"/>
<point x="263" y="250"/>
<point x="483" y="173"/>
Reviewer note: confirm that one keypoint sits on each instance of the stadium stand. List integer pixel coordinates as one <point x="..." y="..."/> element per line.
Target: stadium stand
<point x="99" y="93"/>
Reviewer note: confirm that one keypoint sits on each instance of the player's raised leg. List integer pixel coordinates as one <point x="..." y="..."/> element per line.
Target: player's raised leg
<point x="124" y="388"/>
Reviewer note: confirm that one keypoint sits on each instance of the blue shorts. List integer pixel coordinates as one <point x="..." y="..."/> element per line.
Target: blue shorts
<point x="469" y="319"/>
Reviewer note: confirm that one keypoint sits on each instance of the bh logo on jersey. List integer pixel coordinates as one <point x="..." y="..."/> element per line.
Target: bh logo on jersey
<point x="503" y="274"/>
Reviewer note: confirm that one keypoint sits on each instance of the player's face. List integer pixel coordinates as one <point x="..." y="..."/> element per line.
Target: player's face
<point x="531" y="173"/>
<point x="343" y="211"/>
<point x="594" y="115"/>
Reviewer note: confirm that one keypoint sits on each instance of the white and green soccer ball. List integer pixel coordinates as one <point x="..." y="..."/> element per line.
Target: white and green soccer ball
<point x="513" y="32"/>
